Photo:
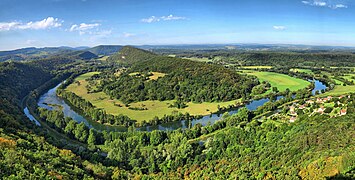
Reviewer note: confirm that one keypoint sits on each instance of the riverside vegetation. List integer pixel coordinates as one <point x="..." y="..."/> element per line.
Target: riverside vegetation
<point x="237" y="146"/>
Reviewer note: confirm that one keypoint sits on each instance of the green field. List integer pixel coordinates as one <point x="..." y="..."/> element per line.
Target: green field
<point x="339" y="90"/>
<point x="308" y="71"/>
<point x="103" y="58"/>
<point x="199" y="59"/>
<point x="257" y="67"/>
<point x="155" y="108"/>
<point x="281" y="81"/>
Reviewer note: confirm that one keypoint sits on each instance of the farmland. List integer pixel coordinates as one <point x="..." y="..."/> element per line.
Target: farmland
<point x="154" y="108"/>
<point x="281" y="81"/>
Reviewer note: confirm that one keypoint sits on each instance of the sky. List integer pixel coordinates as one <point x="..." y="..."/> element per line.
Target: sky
<point x="47" y="23"/>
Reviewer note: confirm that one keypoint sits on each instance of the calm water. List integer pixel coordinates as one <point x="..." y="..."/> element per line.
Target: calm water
<point x="50" y="98"/>
<point x="29" y="115"/>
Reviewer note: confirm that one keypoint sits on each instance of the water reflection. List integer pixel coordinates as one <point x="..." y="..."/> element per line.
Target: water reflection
<point x="51" y="101"/>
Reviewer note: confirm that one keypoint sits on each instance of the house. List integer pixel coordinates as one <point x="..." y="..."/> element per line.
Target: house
<point x="302" y="107"/>
<point x="342" y="112"/>
<point x="309" y="102"/>
<point x="319" y="100"/>
<point x="321" y="110"/>
<point x="293" y="119"/>
<point x="341" y="96"/>
<point x="329" y="98"/>
<point x="293" y="113"/>
<point x="292" y="108"/>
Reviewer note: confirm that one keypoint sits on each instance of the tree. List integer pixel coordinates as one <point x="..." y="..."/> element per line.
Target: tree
<point x="81" y="132"/>
<point x="92" y="137"/>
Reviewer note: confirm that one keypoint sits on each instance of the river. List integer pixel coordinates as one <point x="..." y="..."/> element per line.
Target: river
<point x="51" y="101"/>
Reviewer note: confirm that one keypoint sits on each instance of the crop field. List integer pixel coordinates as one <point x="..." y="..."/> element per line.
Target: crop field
<point x="103" y="58"/>
<point x="199" y="59"/>
<point x="257" y="67"/>
<point x="339" y="90"/>
<point x="281" y="81"/>
<point x="308" y="71"/>
<point x="154" y="108"/>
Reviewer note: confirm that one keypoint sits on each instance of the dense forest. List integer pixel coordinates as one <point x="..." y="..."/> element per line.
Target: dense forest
<point x="236" y="147"/>
<point x="273" y="58"/>
<point x="184" y="80"/>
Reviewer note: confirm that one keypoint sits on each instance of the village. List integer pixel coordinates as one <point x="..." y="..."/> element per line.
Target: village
<point x="331" y="106"/>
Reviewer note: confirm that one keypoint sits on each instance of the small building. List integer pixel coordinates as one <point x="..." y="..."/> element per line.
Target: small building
<point x="309" y="102"/>
<point x="329" y="98"/>
<point x="321" y="110"/>
<point x="343" y="112"/>
<point x="319" y="100"/>
<point x="302" y="106"/>
<point x="293" y="119"/>
<point x="292" y="108"/>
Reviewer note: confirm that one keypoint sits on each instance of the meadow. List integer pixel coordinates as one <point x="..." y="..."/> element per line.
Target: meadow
<point x="154" y="108"/>
<point x="339" y="90"/>
<point x="308" y="71"/>
<point x="257" y="67"/>
<point x="281" y="81"/>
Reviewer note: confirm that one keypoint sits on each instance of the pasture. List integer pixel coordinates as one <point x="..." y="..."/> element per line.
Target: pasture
<point x="154" y="108"/>
<point x="281" y="81"/>
<point x="339" y="90"/>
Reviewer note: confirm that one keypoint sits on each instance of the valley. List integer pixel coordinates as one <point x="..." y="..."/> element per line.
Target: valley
<point x="77" y="106"/>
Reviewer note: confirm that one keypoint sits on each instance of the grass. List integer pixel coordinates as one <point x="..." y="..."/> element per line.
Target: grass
<point x="154" y="76"/>
<point x="85" y="76"/>
<point x="103" y="58"/>
<point x="349" y="77"/>
<point x="339" y="90"/>
<point x="281" y="81"/>
<point x="155" y="108"/>
<point x="257" y="67"/>
<point x="199" y="59"/>
<point x="308" y="71"/>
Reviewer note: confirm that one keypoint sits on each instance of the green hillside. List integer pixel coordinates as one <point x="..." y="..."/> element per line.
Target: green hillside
<point x="105" y="50"/>
<point x="129" y="55"/>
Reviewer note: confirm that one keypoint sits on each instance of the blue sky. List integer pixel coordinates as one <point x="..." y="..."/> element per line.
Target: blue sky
<point x="25" y="23"/>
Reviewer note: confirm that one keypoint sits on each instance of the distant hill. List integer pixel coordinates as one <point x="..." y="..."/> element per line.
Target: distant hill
<point x="105" y="50"/>
<point x="130" y="55"/>
<point x="84" y="55"/>
<point x="32" y="53"/>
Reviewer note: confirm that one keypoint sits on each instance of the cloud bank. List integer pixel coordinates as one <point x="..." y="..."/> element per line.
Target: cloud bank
<point x="171" y="17"/>
<point x="279" y="28"/>
<point x="47" y="23"/>
<point x="321" y="3"/>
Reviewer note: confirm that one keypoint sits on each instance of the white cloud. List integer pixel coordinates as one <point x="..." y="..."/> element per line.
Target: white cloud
<point x="171" y="17"/>
<point x="162" y="18"/>
<point x="150" y="19"/>
<point x="321" y="3"/>
<point x="46" y="23"/>
<point x="280" y="28"/>
<point x="7" y="26"/>
<point x="339" y="6"/>
<point x="127" y="35"/>
<point x="83" y="27"/>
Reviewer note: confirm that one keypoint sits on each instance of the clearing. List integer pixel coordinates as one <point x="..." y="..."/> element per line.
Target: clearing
<point x="154" y="108"/>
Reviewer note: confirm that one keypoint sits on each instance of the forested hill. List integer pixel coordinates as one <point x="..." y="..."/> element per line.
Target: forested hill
<point x="105" y="50"/>
<point x="28" y="151"/>
<point x="180" y="79"/>
<point x="129" y="55"/>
